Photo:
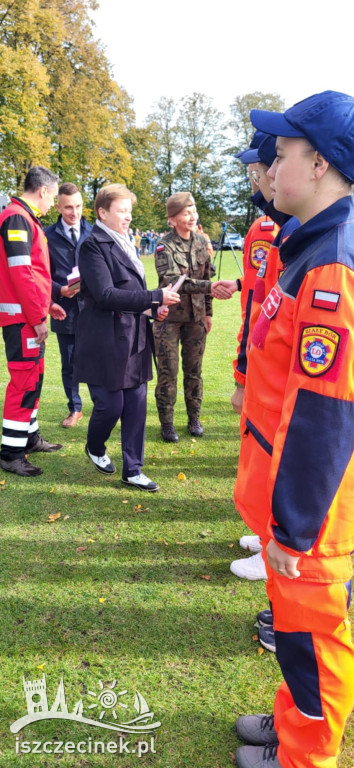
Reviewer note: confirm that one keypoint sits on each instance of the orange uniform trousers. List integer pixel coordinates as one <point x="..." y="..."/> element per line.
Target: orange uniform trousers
<point x="316" y="656"/>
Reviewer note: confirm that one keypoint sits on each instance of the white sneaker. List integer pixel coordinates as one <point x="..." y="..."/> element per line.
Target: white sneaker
<point x="252" y="543"/>
<point x="102" y="463"/>
<point x="142" y="482"/>
<point x="251" y="568"/>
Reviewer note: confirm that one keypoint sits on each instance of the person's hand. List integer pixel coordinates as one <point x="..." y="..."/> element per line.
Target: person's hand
<point x="281" y="561"/>
<point x="42" y="332"/>
<point x="68" y="292"/>
<point x="162" y="313"/>
<point x="237" y="399"/>
<point x="57" y="312"/>
<point x="208" y="323"/>
<point x="170" y="297"/>
<point x="223" y="289"/>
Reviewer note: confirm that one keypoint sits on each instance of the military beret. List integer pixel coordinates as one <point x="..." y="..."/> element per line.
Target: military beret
<point x="177" y="202"/>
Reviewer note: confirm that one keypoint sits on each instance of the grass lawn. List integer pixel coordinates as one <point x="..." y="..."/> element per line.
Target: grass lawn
<point x="132" y="587"/>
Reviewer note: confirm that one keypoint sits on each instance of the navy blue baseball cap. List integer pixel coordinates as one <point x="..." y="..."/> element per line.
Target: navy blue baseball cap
<point x="267" y="151"/>
<point x="325" y="119"/>
<point x="249" y="155"/>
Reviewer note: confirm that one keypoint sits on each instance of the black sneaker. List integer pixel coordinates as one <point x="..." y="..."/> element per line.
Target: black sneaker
<point x="21" y="467"/>
<point x="194" y="427"/>
<point x="43" y="446"/>
<point x="266" y="638"/>
<point x="256" y="729"/>
<point x="168" y="432"/>
<point x="257" y="757"/>
<point x="265" y="618"/>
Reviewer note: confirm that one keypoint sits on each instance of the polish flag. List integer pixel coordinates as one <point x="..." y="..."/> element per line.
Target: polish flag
<point x="326" y="300"/>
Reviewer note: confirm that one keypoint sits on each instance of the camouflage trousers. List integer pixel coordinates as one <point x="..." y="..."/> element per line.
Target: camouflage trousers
<point x="167" y="337"/>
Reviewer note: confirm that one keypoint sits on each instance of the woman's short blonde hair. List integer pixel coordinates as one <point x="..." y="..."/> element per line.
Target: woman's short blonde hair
<point x="106" y="195"/>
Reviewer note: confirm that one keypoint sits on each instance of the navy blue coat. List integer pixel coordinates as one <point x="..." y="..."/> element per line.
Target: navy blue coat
<point x="63" y="256"/>
<point x="113" y="338"/>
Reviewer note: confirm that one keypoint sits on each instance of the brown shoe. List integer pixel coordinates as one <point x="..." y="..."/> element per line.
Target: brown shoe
<point x="72" y="419"/>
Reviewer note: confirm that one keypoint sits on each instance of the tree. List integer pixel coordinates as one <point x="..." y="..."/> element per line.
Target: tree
<point x="239" y="192"/>
<point x="23" y="89"/>
<point x="200" y="143"/>
<point x="59" y="101"/>
<point x="162" y="123"/>
<point x="143" y="148"/>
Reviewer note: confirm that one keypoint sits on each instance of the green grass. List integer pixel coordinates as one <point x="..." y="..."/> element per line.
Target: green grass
<point x="183" y="641"/>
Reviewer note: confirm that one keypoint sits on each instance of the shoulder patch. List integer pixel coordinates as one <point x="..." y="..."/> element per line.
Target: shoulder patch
<point x="326" y="300"/>
<point x="267" y="225"/>
<point x="272" y="303"/>
<point x="320" y="350"/>
<point x="258" y="252"/>
<point x="160" y="248"/>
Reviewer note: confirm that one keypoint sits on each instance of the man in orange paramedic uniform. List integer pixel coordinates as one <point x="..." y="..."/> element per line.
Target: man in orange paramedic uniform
<point x="296" y="459"/>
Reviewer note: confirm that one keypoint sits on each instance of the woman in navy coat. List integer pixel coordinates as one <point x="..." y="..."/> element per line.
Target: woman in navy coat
<point x="114" y="339"/>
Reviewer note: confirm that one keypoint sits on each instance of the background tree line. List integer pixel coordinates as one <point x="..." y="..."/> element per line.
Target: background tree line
<point x="61" y="107"/>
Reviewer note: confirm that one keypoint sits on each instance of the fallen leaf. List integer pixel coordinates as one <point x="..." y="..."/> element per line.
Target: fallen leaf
<point x="54" y="517"/>
<point x="193" y="440"/>
<point x="52" y="490"/>
<point x="2" y="482"/>
<point x="232" y="757"/>
<point x="81" y="549"/>
<point x="173" y="452"/>
<point x="102" y="599"/>
<point x="125" y="501"/>
<point x="137" y="507"/>
<point x="230" y="546"/>
<point x="66" y="517"/>
<point x="181" y="543"/>
<point x="203" y="534"/>
<point x="40" y="666"/>
<point x="206" y="578"/>
<point x="260" y="651"/>
<point x="91" y="540"/>
<point x="163" y="541"/>
<point x="254" y="637"/>
<point x="66" y="473"/>
<point x="116" y="536"/>
<point x="181" y="476"/>
<point x="62" y="454"/>
<point x="191" y="453"/>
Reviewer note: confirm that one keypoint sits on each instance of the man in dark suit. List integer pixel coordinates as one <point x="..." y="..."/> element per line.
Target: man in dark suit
<point x="64" y="238"/>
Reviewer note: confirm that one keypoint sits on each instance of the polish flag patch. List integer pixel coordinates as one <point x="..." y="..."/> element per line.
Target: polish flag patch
<point x="326" y="300"/>
<point x="160" y="248"/>
<point x="268" y="225"/>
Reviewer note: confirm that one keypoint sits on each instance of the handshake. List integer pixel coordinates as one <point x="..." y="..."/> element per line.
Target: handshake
<point x="223" y="289"/>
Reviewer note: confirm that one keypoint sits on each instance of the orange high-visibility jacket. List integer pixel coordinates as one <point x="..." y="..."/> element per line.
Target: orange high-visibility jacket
<point x="296" y="464"/>
<point x="257" y="244"/>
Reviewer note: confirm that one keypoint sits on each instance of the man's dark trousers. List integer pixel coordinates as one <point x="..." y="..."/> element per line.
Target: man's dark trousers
<point x="66" y="343"/>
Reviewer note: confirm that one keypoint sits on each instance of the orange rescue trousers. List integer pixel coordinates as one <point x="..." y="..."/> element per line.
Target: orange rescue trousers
<point x="316" y="656"/>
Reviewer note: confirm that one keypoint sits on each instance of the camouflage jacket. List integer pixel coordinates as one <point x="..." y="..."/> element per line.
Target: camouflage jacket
<point x="175" y="257"/>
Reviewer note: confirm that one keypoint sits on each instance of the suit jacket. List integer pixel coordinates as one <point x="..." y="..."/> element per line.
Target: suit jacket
<point x="63" y="257"/>
<point x="113" y="338"/>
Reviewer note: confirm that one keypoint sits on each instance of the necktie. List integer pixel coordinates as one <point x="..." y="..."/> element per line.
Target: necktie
<point x="73" y="235"/>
